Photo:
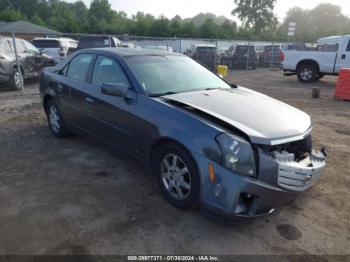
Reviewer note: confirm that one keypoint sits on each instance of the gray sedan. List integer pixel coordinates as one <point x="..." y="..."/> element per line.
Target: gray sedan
<point x="233" y="152"/>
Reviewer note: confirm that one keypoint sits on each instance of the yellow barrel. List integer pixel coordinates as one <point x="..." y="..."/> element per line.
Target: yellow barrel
<point x="222" y="70"/>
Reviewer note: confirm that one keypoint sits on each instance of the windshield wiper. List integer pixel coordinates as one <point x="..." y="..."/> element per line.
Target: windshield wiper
<point x="163" y="94"/>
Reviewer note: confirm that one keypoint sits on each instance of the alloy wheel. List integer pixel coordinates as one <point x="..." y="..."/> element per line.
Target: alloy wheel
<point x="176" y="177"/>
<point x="306" y="74"/>
<point x="18" y="80"/>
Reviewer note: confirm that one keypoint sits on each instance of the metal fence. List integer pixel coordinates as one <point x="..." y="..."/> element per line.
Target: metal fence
<point x="21" y="63"/>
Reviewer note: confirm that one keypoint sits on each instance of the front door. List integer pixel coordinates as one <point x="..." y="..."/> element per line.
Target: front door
<point x="110" y="118"/>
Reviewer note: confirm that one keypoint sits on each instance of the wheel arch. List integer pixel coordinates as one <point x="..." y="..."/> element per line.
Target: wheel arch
<point x="14" y="67"/>
<point x="308" y="62"/>
<point x="161" y="142"/>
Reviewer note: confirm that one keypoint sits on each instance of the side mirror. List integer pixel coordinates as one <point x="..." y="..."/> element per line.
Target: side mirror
<point x="114" y="89"/>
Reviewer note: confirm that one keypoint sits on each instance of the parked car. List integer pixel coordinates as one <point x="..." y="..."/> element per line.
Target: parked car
<point x="205" y="54"/>
<point x="332" y="54"/>
<point x="30" y="59"/>
<point x="57" y="48"/>
<point x="239" y="58"/>
<point x="96" y="41"/>
<point x="272" y="55"/>
<point x="233" y="152"/>
<point x="160" y="47"/>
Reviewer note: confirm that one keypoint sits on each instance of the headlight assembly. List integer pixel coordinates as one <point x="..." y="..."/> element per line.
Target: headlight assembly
<point x="237" y="154"/>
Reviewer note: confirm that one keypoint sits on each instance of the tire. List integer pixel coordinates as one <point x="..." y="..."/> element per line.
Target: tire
<point x="15" y="81"/>
<point x="55" y="120"/>
<point x="307" y="73"/>
<point x="181" y="175"/>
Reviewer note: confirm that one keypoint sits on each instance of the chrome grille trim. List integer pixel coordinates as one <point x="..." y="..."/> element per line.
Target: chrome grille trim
<point x="299" y="176"/>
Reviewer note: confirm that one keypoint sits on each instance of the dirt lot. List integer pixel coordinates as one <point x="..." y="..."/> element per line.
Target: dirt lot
<point x="75" y="197"/>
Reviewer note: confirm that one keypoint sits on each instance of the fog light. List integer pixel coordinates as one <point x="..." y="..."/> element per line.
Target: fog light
<point x="244" y="203"/>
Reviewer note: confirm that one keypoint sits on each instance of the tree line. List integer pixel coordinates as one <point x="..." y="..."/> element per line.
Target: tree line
<point x="258" y="22"/>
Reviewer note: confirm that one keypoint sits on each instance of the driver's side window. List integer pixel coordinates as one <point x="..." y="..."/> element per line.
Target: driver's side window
<point x="108" y="70"/>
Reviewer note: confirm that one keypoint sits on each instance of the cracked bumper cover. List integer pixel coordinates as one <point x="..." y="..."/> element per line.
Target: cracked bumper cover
<point x="235" y="198"/>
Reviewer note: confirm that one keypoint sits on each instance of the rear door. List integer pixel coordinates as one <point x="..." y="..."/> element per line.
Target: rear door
<point x="110" y="118"/>
<point x="343" y="58"/>
<point x="70" y="85"/>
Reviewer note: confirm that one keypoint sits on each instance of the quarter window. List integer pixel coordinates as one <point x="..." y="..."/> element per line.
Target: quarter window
<point x="79" y="67"/>
<point x="108" y="70"/>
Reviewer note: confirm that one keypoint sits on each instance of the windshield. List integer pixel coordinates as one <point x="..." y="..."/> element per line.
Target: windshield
<point x="172" y="74"/>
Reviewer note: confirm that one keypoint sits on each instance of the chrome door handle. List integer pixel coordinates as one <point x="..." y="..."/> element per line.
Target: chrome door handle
<point x="59" y="88"/>
<point x="89" y="101"/>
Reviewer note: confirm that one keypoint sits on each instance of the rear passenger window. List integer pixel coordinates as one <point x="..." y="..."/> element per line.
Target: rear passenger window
<point x="79" y="67"/>
<point x="348" y="48"/>
<point x="108" y="70"/>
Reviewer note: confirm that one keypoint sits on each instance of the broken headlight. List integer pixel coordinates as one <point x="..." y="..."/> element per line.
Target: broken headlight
<point x="237" y="154"/>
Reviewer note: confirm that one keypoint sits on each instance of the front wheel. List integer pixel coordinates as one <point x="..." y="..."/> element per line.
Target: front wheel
<point x="178" y="176"/>
<point x="307" y="73"/>
<point x="16" y="79"/>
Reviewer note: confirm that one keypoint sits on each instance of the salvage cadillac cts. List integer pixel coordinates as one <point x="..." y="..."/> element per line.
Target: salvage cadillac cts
<point x="234" y="152"/>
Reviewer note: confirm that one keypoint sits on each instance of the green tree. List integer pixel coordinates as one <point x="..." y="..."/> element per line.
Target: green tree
<point x="323" y="20"/>
<point x="10" y="15"/>
<point x="208" y="29"/>
<point x="256" y="14"/>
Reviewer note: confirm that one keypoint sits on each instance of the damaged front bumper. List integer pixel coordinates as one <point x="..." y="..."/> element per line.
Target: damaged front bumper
<point x="234" y="198"/>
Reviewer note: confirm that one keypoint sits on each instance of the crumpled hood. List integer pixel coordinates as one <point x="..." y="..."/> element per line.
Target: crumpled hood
<point x="265" y="120"/>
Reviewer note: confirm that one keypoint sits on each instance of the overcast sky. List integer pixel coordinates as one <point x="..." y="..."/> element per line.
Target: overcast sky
<point x="189" y="8"/>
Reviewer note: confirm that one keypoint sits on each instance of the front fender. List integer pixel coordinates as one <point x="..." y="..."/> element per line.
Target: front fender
<point x="157" y="120"/>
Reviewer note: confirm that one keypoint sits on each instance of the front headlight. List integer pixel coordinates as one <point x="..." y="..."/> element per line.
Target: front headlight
<point x="237" y="154"/>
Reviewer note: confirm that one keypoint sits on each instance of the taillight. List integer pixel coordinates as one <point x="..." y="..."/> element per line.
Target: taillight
<point x="281" y="56"/>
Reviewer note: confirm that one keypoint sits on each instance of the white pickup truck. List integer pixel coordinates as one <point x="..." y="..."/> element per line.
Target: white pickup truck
<point x="330" y="55"/>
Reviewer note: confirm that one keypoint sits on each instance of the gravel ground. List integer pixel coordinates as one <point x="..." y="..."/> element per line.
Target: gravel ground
<point x="74" y="196"/>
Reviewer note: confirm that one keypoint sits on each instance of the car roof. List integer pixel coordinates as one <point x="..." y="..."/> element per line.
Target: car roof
<point x="125" y="52"/>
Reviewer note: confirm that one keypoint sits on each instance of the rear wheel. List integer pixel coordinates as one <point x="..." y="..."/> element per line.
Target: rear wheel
<point x="55" y="120"/>
<point x="307" y="73"/>
<point x="177" y="176"/>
